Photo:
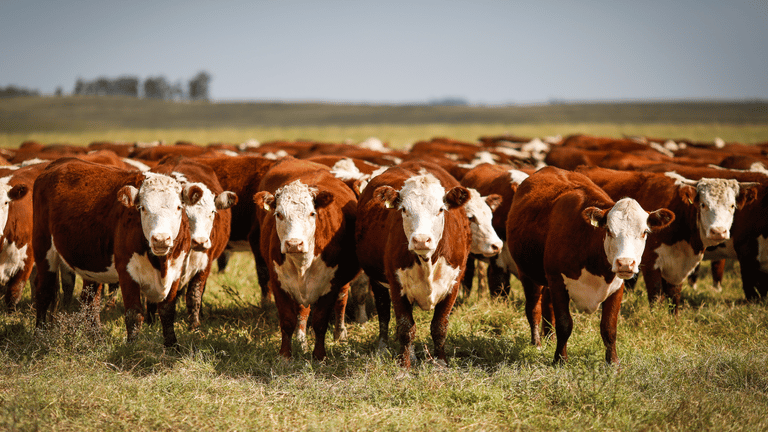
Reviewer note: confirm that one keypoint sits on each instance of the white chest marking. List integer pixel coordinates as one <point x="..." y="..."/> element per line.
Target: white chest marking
<point x="196" y="262"/>
<point x="11" y="260"/>
<point x="427" y="284"/>
<point x="588" y="291"/>
<point x="154" y="287"/>
<point x="305" y="282"/>
<point x="762" y="253"/>
<point x="677" y="261"/>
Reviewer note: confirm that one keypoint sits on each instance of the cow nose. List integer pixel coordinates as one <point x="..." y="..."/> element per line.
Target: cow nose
<point x="201" y="243"/>
<point x="625" y="265"/>
<point x="161" y="240"/>
<point x="716" y="233"/>
<point x="496" y="248"/>
<point x="294" y="246"/>
<point x="421" y="241"/>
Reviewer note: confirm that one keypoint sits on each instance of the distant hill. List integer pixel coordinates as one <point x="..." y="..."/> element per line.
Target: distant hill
<point x="24" y="114"/>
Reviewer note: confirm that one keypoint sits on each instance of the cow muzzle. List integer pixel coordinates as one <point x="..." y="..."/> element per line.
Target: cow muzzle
<point x="625" y="268"/>
<point x="421" y="244"/>
<point x="201" y="244"/>
<point x="161" y="244"/>
<point x="718" y="234"/>
<point x="295" y="246"/>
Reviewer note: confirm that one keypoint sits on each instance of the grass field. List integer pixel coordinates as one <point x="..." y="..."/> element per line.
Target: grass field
<point x="706" y="369"/>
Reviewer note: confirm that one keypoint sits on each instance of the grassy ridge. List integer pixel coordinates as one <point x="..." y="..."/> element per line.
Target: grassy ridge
<point x="704" y="370"/>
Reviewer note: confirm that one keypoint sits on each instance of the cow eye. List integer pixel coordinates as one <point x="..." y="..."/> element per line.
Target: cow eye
<point x="473" y="219"/>
<point x="279" y="215"/>
<point x="140" y="208"/>
<point x="703" y="205"/>
<point x="610" y="234"/>
<point x="646" y="232"/>
<point x="313" y="214"/>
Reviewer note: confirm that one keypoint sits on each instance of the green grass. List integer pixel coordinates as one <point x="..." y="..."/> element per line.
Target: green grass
<point x="704" y="370"/>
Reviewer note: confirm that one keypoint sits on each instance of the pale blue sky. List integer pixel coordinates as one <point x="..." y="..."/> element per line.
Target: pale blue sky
<point x="484" y="51"/>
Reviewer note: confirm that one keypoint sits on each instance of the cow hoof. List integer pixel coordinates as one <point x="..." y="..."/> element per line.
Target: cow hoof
<point x="340" y="336"/>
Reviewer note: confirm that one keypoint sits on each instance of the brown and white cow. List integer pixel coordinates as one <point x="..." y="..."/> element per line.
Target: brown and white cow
<point x="110" y="225"/>
<point x="704" y="211"/>
<point x="16" y="261"/>
<point x="307" y="219"/>
<point x="567" y="234"/>
<point x="413" y="240"/>
<point x="209" y="226"/>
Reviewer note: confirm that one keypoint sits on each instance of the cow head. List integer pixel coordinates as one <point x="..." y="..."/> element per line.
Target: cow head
<point x="202" y="214"/>
<point x="295" y="207"/>
<point x="422" y="202"/>
<point x="716" y="201"/>
<point x="159" y="200"/>
<point x="9" y="193"/>
<point x="479" y="210"/>
<point x="627" y="227"/>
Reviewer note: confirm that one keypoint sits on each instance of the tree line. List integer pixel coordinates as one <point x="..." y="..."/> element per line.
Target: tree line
<point x="157" y="87"/>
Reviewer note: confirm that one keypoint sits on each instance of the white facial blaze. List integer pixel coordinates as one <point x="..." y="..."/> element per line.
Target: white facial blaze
<point x="295" y="217"/>
<point x="717" y="204"/>
<point x="159" y="201"/>
<point x="422" y="208"/>
<point x="5" y="202"/>
<point x="627" y="229"/>
<point x="485" y="241"/>
<point x="201" y="215"/>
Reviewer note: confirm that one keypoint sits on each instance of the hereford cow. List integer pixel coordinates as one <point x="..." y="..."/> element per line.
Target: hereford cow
<point x="567" y="234"/>
<point x="16" y="259"/>
<point x="110" y="225"/>
<point x="209" y="225"/>
<point x="413" y="240"/>
<point x="704" y="211"/>
<point x="307" y="219"/>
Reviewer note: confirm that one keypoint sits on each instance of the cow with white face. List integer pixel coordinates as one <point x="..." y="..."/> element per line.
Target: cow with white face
<point x="111" y="225"/>
<point x="306" y="222"/>
<point x="565" y="233"/>
<point x="413" y="240"/>
<point x="479" y="210"/>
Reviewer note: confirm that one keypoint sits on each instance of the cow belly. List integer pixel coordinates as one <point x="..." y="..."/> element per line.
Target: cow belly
<point x="12" y="259"/>
<point x="724" y="250"/>
<point x="762" y="253"/>
<point x="427" y="284"/>
<point x="305" y="284"/>
<point x="153" y="285"/>
<point x="676" y="261"/>
<point x="108" y="275"/>
<point x="196" y="262"/>
<point x="588" y="291"/>
<point x="239" y="246"/>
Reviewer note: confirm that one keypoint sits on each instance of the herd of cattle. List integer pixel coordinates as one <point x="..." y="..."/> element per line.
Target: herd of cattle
<point x="571" y="218"/>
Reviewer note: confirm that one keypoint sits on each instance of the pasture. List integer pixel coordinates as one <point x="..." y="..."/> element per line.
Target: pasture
<point x="705" y="369"/>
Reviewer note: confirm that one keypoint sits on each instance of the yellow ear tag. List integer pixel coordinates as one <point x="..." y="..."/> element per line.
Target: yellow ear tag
<point x="690" y="201"/>
<point x="594" y="223"/>
<point x="387" y="204"/>
<point x="266" y="207"/>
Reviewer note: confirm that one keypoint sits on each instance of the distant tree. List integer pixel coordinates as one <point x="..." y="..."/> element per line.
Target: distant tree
<point x="157" y="88"/>
<point x="126" y="86"/>
<point x="13" y="91"/>
<point x="79" y="87"/>
<point x="59" y="91"/>
<point x="198" y="86"/>
<point x="177" y="91"/>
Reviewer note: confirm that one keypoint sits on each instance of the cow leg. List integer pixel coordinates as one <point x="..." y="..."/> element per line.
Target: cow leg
<point x="321" y="316"/>
<point x="406" y="329"/>
<point x="653" y="285"/>
<point x="194" y="297"/>
<point x="67" y="286"/>
<point x="498" y="280"/>
<point x="166" y="309"/>
<point x="90" y="300"/>
<point x="718" y="269"/>
<point x="46" y="287"/>
<point x="15" y="287"/>
<point x="301" y="327"/>
<point x="287" y="313"/>
<point x="532" y="292"/>
<point x="339" y="310"/>
<point x="223" y="260"/>
<point x="608" y="324"/>
<point x="134" y="316"/>
<point x="439" y="327"/>
<point x="547" y="313"/>
<point x="360" y="287"/>
<point x="674" y="293"/>
<point x="467" y="280"/>
<point x="693" y="278"/>
<point x="563" y="320"/>
<point x="382" y="300"/>
<point x="262" y="273"/>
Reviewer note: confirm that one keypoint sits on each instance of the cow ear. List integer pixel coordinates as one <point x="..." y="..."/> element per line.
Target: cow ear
<point x="688" y="194"/>
<point x="127" y="195"/>
<point x="388" y="196"/>
<point x="18" y="192"/>
<point x="595" y="216"/>
<point x="493" y="201"/>
<point x="225" y="200"/>
<point x="747" y="194"/>
<point x="191" y="194"/>
<point x="456" y="197"/>
<point x="264" y="200"/>
<point x="660" y="219"/>
<point x="358" y="186"/>
<point x="322" y="199"/>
